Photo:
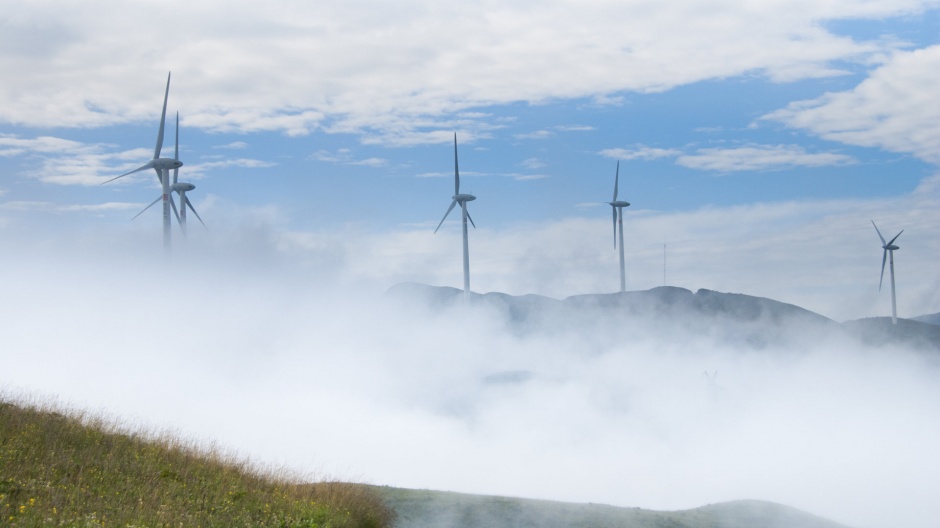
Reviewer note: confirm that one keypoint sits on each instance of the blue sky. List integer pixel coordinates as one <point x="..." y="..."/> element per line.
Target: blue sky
<point x="334" y="121"/>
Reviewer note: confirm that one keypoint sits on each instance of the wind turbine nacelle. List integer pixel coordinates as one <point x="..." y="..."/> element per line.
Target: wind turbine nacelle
<point x="182" y="187"/>
<point x="620" y="203"/>
<point x="892" y="247"/>
<point x="464" y="197"/>
<point x="167" y="163"/>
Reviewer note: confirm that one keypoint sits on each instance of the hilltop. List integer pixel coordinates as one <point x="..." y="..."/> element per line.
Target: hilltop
<point x="436" y="509"/>
<point x="677" y="314"/>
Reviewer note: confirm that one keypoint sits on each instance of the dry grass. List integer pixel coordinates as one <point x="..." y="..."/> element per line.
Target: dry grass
<point x="73" y="470"/>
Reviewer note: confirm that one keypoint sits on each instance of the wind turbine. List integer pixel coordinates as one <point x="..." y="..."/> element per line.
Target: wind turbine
<point x="181" y="188"/>
<point x="889" y="248"/>
<point x="617" y="210"/>
<point x="462" y="199"/>
<point x="162" y="167"/>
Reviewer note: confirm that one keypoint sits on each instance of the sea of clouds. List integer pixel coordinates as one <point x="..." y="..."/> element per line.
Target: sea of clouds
<point x="298" y="365"/>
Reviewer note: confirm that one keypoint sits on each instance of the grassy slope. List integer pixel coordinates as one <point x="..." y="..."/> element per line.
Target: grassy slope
<point x="71" y="471"/>
<point x="426" y="509"/>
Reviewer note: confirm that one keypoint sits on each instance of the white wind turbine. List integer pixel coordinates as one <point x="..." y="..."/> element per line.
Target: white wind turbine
<point x="180" y="188"/>
<point x="462" y="199"/>
<point x="162" y="167"/>
<point x="889" y="248"/>
<point x="617" y="210"/>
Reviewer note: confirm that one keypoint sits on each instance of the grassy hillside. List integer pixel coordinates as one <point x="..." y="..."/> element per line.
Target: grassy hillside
<point x="435" y="509"/>
<point x="74" y="471"/>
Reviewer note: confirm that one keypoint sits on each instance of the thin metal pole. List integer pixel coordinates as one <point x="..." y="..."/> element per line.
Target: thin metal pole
<point x="466" y="252"/>
<point x="623" y="276"/>
<point x="894" y="304"/>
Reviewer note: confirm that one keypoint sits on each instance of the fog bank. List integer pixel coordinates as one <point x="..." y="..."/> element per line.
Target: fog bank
<point x="289" y="367"/>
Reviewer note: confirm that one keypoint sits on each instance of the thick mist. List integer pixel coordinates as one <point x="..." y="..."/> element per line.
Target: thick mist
<point x="290" y="366"/>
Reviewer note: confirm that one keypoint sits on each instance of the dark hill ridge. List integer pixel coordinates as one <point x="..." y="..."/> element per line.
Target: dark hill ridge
<point x="928" y="318"/>
<point x="427" y="509"/>
<point x="672" y="313"/>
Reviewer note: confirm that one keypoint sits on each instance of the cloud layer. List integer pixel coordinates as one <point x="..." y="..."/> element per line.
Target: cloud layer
<point x="395" y="70"/>
<point x="287" y="369"/>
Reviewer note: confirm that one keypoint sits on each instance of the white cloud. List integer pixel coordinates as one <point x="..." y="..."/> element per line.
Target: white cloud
<point x="641" y="153"/>
<point x="345" y="157"/>
<point x="371" y="162"/>
<point x="748" y="158"/>
<point x="759" y="157"/>
<point x="50" y="207"/>
<point x="538" y="134"/>
<point x="199" y="170"/>
<point x="11" y="145"/>
<point x="533" y="163"/>
<point x="235" y="145"/>
<point x="297" y="68"/>
<point x="894" y="108"/>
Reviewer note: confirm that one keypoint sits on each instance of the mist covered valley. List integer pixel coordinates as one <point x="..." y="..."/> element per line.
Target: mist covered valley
<point x="586" y="400"/>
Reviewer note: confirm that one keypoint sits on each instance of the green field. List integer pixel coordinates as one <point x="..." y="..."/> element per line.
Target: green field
<point x="74" y="470"/>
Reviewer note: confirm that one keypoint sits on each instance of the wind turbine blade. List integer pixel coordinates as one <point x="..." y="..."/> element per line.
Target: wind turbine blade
<point x="156" y="151"/>
<point x="449" y="209"/>
<point x="173" y="206"/>
<point x="148" y="207"/>
<point x="614" y="211"/>
<point x="471" y="219"/>
<point x="193" y="209"/>
<point x="456" y="171"/>
<point x="616" y="181"/>
<point x="883" y="243"/>
<point x="895" y="238"/>
<point x="176" y="150"/>
<point x="138" y="169"/>
<point x="884" y="257"/>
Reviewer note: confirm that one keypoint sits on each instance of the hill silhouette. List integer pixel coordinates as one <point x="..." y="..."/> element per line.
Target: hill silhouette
<point x="437" y="509"/>
<point x="677" y="314"/>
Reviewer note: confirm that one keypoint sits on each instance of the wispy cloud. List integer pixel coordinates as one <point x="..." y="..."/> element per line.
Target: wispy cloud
<point x="538" y="134"/>
<point x="51" y="207"/>
<point x="235" y="145"/>
<point x="345" y="156"/>
<point x="759" y="157"/>
<point x="640" y="152"/>
<point x="12" y="145"/>
<point x="746" y="158"/>
<point x="199" y="170"/>
<point x="533" y="163"/>
<point x="371" y="162"/>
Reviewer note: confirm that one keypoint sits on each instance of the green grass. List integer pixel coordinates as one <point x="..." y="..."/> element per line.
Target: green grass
<point x="75" y="470"/>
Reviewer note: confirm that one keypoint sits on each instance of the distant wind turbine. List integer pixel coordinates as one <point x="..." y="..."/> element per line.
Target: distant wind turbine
<point x="888" y="253"/>
<point x="162" y="167"/>
<point x="617" y="210"/>
<point x="181" y="188"/>
<point x="462" y="199"/>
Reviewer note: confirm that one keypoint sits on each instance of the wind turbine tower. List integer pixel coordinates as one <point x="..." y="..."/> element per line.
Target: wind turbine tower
<point x="462" y="199"/>
<point x="888" y="254"/>
<point x="181" y="188"/>
<point x="617" y="210"/>
<point x="162" y="167"/>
